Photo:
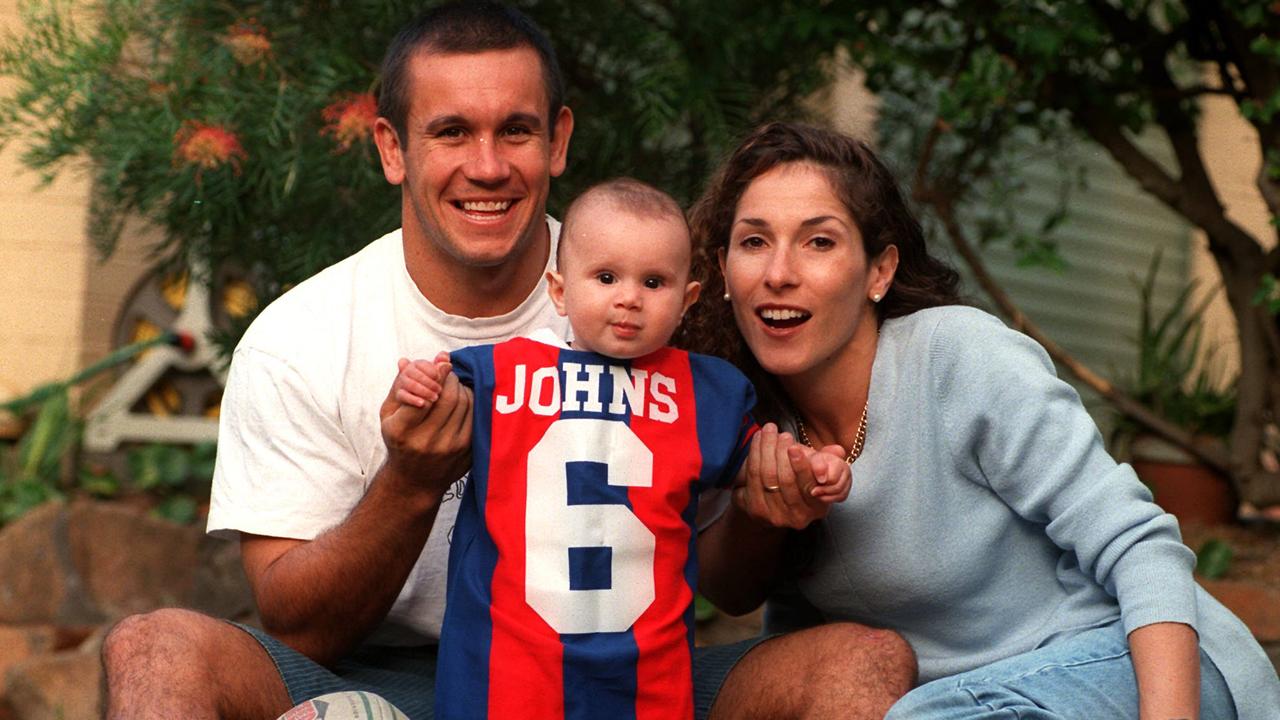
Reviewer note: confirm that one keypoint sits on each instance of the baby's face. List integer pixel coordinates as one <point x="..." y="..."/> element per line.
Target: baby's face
<point x="623" y="280"/>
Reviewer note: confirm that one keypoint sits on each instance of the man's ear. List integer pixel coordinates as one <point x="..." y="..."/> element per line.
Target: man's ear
<point x="560" y="141"/>
<point x="390" y="150"/>
<point x="691" y="293"/>
<point x="555" y="288"/>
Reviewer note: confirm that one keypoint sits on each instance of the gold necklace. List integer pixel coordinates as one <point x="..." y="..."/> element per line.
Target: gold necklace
<point x="858" y="441"/>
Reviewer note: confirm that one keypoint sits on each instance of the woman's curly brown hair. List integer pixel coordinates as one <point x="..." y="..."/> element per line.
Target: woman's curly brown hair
<point x="870" y="193"/>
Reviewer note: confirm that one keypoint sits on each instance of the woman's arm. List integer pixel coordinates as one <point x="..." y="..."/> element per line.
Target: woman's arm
<point x="1166" y="659"/>
<point x="740" y="555"/>
<point x="1021" y="431"/>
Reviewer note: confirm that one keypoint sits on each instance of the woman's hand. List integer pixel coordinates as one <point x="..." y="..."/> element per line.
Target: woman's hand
<point x="786" y="484"/>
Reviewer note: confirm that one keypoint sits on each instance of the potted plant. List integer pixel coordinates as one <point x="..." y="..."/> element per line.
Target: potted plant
<point x="1174" y="381"/>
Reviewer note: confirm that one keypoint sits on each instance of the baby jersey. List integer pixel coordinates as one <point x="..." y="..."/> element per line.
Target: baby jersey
<point x="572" y="565"/>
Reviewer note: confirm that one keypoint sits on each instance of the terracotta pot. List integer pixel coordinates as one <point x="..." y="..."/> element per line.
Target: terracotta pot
<point x="1185" y="488"/>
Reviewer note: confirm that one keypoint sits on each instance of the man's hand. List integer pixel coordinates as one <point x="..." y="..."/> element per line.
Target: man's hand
<point x="303" y="587"/>
<point x="427" y="446"/>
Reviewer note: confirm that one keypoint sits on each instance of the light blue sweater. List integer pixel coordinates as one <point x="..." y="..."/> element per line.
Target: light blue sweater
<point x="986" y="518"/>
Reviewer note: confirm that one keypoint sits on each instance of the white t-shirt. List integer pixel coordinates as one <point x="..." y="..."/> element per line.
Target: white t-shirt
<point x="300" y="439"/>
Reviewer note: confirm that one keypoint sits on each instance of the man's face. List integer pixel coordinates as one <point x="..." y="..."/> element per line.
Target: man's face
<point x="478" y="158"/>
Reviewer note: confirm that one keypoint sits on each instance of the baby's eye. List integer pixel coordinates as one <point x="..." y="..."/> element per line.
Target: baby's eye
<point x="605" y="278"/>
<point x="653" y="283"/>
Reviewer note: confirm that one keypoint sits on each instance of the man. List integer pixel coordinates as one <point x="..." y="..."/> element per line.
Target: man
<point x="344" y="521"/>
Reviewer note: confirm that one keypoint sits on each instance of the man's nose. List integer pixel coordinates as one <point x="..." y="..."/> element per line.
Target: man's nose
<point x="487" y="164"/>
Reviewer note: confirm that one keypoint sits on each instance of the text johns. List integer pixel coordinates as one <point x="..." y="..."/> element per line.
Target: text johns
<point x="584" y="388"/>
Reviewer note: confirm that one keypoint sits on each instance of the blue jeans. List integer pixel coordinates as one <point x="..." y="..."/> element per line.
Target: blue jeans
<point x="1087" y="676"/>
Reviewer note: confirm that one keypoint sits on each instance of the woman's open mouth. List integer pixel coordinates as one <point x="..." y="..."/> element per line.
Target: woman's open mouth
<point x="783" y="318"/>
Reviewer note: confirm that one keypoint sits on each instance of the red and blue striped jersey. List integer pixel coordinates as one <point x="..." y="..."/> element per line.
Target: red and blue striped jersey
<point x="572" y="565"/>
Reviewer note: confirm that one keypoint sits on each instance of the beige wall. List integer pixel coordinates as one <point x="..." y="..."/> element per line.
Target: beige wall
<point x="1233" y="164"/>
<point x="57" y="302"/>
<point x="42" y="269"/>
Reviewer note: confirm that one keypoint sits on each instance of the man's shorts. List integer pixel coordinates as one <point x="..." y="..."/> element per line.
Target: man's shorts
<point x="406" y="676"/>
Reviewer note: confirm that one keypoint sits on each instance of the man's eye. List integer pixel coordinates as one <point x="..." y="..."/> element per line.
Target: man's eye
<point x="605" y="278"/>
<point x="516" y="130"/>
<point x="653" y="283"/>
<point x="450" y="132"/>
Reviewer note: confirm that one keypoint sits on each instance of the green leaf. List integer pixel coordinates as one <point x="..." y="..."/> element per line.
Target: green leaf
<point x="144" y="467"/>
<point x="175" y="465"/>
<point x="203" y="456"/>
<point x="50" y="437"/>
<point x="180" y="509"/>
<point x="99" y="482"/>
<point x="1214" y="558"/>
<point x="703" y="610"/>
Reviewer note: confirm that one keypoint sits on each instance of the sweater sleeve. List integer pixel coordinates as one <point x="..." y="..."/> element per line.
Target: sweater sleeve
<point x="1015" y="427"/>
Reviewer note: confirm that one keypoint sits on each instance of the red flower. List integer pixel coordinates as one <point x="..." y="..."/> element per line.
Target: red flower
<point x="248" y="42"/>
<point x="206" y="146"/>
<point x="349" y="120"/>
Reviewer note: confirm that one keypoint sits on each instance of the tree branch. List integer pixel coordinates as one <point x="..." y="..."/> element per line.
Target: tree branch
<point x="1225" y="237"/>
<point x="1210" y="451"/>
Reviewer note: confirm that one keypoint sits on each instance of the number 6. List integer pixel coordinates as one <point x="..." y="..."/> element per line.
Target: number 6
<point x="552" y="526"/>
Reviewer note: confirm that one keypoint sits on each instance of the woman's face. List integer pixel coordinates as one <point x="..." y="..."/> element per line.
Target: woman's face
<point x="797" y="272"/>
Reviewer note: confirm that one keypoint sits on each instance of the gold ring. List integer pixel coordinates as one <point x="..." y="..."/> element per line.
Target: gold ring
<point x="773" y="488"/>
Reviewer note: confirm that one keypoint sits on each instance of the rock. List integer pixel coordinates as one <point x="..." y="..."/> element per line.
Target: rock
<point x="38" y="583"/>
<point x="131" y="562"/>
<point x="21" y="642"/>
<point x="95" y="562"/>
<point x="220" y="587"/>
<point x="1257" y="605"/>
<point x="60" y="686"/>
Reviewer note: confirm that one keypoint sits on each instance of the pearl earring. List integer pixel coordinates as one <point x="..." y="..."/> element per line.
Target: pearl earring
<point x="875" y="297"/>
<point x="726" y="296"/>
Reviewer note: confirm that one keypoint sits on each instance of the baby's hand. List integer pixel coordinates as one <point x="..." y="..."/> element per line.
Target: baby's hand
<point x="832" y="473"/>
<point x="419" y="382"/>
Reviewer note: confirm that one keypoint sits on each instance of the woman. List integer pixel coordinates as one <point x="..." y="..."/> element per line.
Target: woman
<point x="1030" y="572"/>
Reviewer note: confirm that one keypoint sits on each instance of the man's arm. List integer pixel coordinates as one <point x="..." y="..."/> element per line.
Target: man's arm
<point x="324" y="596"/>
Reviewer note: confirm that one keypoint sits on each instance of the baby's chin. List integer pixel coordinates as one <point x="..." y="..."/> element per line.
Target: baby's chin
<point x="628" y="352"/>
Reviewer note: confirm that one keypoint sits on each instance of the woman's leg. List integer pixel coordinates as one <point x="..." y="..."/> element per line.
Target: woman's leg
<point x="1087" y="676"/>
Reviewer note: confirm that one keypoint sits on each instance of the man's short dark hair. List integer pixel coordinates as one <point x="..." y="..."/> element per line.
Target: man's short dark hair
<point x="463" y="27"/>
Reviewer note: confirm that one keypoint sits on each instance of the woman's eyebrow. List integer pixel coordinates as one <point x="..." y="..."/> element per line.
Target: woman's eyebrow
<point x="820" y="219"/>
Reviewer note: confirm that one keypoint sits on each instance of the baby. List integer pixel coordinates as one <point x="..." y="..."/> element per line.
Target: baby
<point x="571" y="569"/>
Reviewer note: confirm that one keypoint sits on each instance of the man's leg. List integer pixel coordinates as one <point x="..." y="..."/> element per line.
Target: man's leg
<point x="178" y="663"/>
<point x="839" y="670"/>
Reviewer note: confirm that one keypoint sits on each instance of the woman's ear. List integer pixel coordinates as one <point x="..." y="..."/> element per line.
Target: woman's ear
<point x="881" y="272"/>
<point x="720" y="258"/>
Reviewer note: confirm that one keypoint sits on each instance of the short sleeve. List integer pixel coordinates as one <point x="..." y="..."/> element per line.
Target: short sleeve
<point x="725" y="423"/>
<point x="465" y="363"/>
<point x="284" y="466"/>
